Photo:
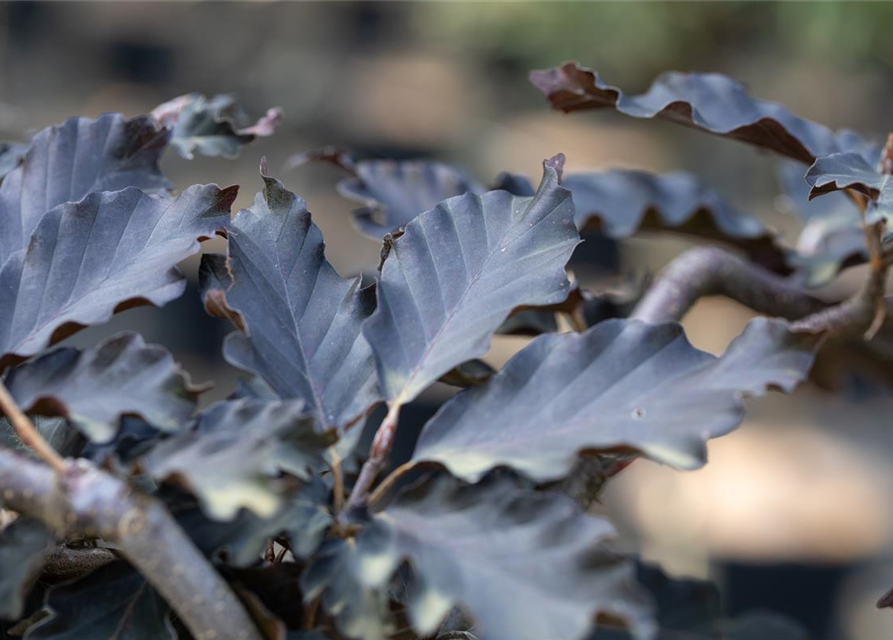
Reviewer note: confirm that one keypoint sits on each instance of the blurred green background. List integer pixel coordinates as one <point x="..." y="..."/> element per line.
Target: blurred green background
<point x="793" y="512"/>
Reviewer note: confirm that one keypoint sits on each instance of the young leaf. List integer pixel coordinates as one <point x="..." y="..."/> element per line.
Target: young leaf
<point x="621" y="202"/>
<point x="211" y="126"/>
<point x="94" y="388"/>
<point x="234" y="456"/>
<point x="300" y="320"/>
<point x="707" y="101"/>
<point x="394" y="192"/>
<point x="457" y="273"/>
<point x="114" y="601"/>
<point x="24" y="545"/>
<point x="623" y="384"/>
<point x="108" y="252"/>
<point x="67" y="162"/>
<point x="525" y="565"/>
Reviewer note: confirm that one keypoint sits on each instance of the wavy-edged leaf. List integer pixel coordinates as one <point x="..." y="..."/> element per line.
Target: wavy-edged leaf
<point x="394" y="192"/>
<point x="24" y="545"/>
<point x="621" y="202"/>
<point x="623" y="384"/>
<point x="707" y="101"/>
<point x="457" y="273"/>
<point x="108" y="252"/>
<point x="94" y="388"/>
<point x="303" y="519"/>
<point x="525" y="565"/>
<point x="832" y="238"/>
<point x="211" y="126"/>
<point x="114" y="601"/>
<point x="67" y="162"/>
<point x="234" y="457"/>
<point x="303" y="321"/>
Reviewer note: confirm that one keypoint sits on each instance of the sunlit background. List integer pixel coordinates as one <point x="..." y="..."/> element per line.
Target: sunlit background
<point x="794" y="512"/>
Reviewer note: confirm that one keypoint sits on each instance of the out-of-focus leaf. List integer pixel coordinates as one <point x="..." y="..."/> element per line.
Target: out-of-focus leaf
<point x="24" y="545"/>
<point x="707" y="101"/>
<point x="339" y="572"/>
<point x="623" y="384"/>
<point x="277" y="588"/>
<point x="842" y="171"/>
<point x="56" y="431"/>
<point x="457" y="273"/>
<point x="468" y="374"/>
<point x="133" y="439"/>
<point x="106" y="253"/>
<point x="233" y="458"/>
<point x="67" y="162"/>
<point x="94" y="388"/>
<point x="303" y="321"/>
<point x="211" y="126"/>
<point x="686" y="609"/>
<point x="760" y="625"/>
<point x="303" y="519"/>
<point x="11" y="156"/>
<point x="114" y="601"/>
<point x="832" y="237"/>
<point x="394" y="192"/>
<point x="529" y="322"/>
<point x="620" y="203"/>
<point x="525" y="565"/>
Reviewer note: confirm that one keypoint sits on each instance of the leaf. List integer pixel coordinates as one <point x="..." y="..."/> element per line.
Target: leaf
<point x="623" y="384"/>
<point x="303" y="518"/>
<point x="301" y="321"/>
<point x="457" y="273"/>
<point x="11" y="156"/>
<point x="620" y="203"/>
<point x="525" y="565"/>
<point x="67" y="162"/>
<point x="707" y="101"/>
<point x="335" y="573"/>
<point x="106" y="253"/>
<point x="394" y="192"/>
<point x="211" y="126"/>
<point x="95" y="388"/>
<point x="24" y="545"/>
<point x="832" y="238"/>
<point x="114" y="601"/>
<point x="842" y="171"/>
<point x="234" y="456"/>
<point x="56" y="431"/>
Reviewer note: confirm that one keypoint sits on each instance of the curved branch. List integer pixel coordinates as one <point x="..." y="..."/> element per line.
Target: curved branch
<point x="709" y="271"/>
<point x="84" y="500"/>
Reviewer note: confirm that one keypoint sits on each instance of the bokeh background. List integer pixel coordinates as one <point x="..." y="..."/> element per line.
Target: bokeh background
<point x="794" y="511"/>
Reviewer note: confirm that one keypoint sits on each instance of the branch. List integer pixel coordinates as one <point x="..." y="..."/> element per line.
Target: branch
<point x="382" y="444"/>
<point x="84" y="500"/>
<point x="709" y="271"/>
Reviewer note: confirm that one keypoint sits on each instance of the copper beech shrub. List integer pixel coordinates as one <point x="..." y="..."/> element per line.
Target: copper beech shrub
<point x="130" y="514"/>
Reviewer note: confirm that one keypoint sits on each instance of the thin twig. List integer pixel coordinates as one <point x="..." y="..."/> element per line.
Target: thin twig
<point x="388" y="483"/>
<point x="382" y="444"/>
<point x="27" y="432"/>
<point x="337" y="481"/>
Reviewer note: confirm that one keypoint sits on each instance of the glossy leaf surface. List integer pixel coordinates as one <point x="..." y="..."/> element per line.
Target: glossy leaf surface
<point x="94" y="388"/>
<point x="620" y="385"/>
<point x="302" y="321"/>
<point x="108" y="252"/>
<point x="457" y="273"/>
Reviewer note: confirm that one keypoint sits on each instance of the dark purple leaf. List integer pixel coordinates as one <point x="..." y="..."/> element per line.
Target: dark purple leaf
<point x="620" y="385"/>
<point x="108" y="252"/>
<point x="301" y="321"/>
<point x="525" y="565"/>
<point x="67" y="162"/>
<point x="211" y="126"/>
<point x="24" y="545"/>
<point x="395" y="192"/>
<point x="95" y="387"/>
<point x="234" y="457"/>
<point x="457" y="273"/>
<point x="707" y="101"/>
